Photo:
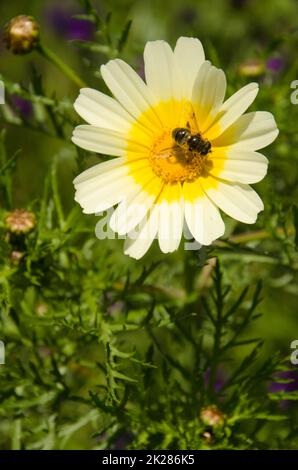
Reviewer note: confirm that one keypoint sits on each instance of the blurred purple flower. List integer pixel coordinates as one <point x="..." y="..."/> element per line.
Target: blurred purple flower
<point x="63" y="23"/>
<point x="141" y="67"/>
<point x="116" y="307"/>
<point x="122" y="441"/>
<point x="22" y="106"/>
<point x="285" y="387"/>
<point x="275" y="387"/>
<point x="188" y="15"/>
<point x="275" y="64"/>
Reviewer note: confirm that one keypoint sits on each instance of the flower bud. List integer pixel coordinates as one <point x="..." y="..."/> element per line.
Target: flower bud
<point x="207" y="437"/>
<point x="21" y="34"/>
<point x="41" y="309"/>
<point x="212" y="416"/>
<point x="16" y="257"/>
<point x="275" y="64"/>
<point x="20" y="221"/>
<point x="252" y="68"/>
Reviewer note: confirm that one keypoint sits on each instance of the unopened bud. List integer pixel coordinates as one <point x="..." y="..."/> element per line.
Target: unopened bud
<point x="21" y="34"/>
<point x="212" y="416"/>
<point x="207" y="437"/>
<point x="16" y="256"/>
<point x="41" y="309"/>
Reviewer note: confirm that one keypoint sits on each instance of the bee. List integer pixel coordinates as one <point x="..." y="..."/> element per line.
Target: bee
<point x="192" y="142"/>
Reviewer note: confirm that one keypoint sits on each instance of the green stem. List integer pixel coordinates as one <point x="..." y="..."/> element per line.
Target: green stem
<point x="56" y="196"/>
<point x="52" y="57"/>
<point x="16" y="436"/>
<point x="217" y="333"/>
<point x="252" y="236"/>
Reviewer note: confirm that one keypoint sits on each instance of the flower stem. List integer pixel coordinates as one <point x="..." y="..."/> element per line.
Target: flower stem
<point x="56" y="196"/>
<point x="252" y="236"/>
<point x="218" y="324"/>
<point x="52" y="57"/>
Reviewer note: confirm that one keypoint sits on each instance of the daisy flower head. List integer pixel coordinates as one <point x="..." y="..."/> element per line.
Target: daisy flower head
<point x="182" y="151"/>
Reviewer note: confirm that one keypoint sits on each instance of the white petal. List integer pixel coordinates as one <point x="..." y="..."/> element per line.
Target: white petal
<point x="137" y="244"/>
<point x="133" y="209"/>
<point x="85" y="188"/>
<point x="208" y="93"/>
<point x="251" y="131"/>
<point x="104" y="141"/>
<point x="237" y="200"/>
<point x="98" y="170"/>
<point x="231" y="109"/>
<point x="101" y="110"/>
<point x="203" y="218"/>
<point x="104" y="185"/>
<point x="171" y="217"/>
<point x="189" y="55"/>
<point x="161" y="71"/>
<point x="242" y="166"/>
<point x="128" y="87"/>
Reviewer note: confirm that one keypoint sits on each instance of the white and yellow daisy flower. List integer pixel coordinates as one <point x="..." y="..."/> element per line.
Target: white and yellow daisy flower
<point x="158" y="183"/>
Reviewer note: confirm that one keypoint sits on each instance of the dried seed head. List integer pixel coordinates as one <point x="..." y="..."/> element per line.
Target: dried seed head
<point x="212" y="416"/>
<point x="207" y="437"/>
<point x="21" y="34"/>
<point x="16" y="256"/>
<point x="20" y="221"/>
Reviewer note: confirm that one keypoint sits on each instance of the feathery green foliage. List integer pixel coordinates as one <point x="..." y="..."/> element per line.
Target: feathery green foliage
<point x="106" y="352"/>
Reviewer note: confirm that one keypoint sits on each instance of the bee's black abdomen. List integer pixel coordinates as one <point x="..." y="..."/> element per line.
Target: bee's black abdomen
<point x="194" y="143"/>
<point x="206" y="148"/>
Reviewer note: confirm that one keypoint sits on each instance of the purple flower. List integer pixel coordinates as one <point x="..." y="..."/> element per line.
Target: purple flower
<point x="275" y="387"/>
<point x="141" y="67"/>
<point x="188" y="15"/>
<point x="123" y="441"/>
<point x="22" y="106"/>
<point x="275" y="64"/>
<point x="116" y="307"/>
<point x="63" y="23"/>
<point x="219" y="379"/>
<point x="285" y="387"/>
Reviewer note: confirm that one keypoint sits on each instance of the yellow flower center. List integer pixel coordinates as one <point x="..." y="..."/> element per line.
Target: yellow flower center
<point x="173" y="163"/>
<point x="152" y="149"/>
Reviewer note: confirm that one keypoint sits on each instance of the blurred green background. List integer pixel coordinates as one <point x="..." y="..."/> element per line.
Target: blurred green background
<point x="232" y="33"/>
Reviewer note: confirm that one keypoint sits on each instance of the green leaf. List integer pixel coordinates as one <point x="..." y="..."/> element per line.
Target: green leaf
<point x="124" y="36"/>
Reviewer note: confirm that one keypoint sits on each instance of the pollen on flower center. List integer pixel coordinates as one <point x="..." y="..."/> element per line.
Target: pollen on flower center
<point x="175" y="164"/>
